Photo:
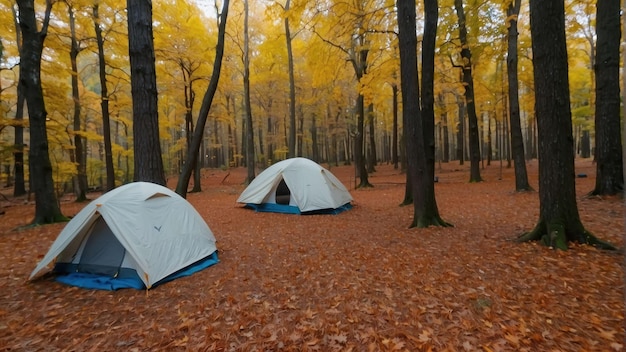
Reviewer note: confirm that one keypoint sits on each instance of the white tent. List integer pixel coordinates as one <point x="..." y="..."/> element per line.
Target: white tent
<point x="296" y="185"/>
<point x="141" y="228"/>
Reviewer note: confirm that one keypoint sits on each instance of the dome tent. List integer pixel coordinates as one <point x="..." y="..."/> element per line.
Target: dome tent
<point x="296" y="186"/>
<point x="137" y="235"/>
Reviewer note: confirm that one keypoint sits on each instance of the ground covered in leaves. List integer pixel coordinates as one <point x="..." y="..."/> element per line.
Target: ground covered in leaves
<point x="357" y="281"/>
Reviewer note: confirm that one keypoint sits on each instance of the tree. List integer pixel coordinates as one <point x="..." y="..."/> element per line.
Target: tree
<point x="147" y="148"/>
<point x="104" y="102"/>
<point x="250" y="162"/>
<point x="194" y="147"/>
<point x="47" y="208"/>
<point x="419" y="133"/>
<point x="292" y="86"/>
<point x="609" y="168"/>
<point x="19" y="186"/>
<point x="354" y="18"/>
<point x="184" y="49"/>
<point x="429" y="214"/>
<point x="468" y="83"/>
<point x="517" y="140"/>
<point x="559" y="221"/>
<point x="77" y="155"/>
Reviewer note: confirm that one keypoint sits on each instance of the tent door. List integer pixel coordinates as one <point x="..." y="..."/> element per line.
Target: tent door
<point x="283" y="194"/>
<point x="103" y="253"/>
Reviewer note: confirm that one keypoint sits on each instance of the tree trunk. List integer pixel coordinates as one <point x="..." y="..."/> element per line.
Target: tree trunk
<point x="430" y="215"/>
<point x="314" y="142"/>
<point x="419" y="132"/>
<point x="371" y="162"/>
<point x="148" y="161"/>
<point x="250" y="162"/>
<point x="207" y="100"/>
<point x="608" y="151"/>
<point x="460" y="136"/>
<point x="359" y="155"/>
<point x="394" y="138"/>
<point x="468" y="83"/>
<point x="47" y="209"/>
<point x="559" y="221"/>
<point x="80" y="184"/>
<point x="19" y="186"/>
<point x="104" y="104"/>
<point x="292" y="87"/>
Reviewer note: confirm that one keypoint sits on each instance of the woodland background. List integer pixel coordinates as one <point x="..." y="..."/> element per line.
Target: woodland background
<point x="326" y="88"/>
<point x="361" y="278"/>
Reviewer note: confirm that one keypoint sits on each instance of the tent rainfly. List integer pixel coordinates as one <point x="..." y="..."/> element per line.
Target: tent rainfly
<point x="296" y="186"/>
<point x="138" y="235"/>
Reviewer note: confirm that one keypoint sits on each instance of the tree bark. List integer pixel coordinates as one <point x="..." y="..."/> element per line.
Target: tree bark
<point x="419" y="132"/>
<point x="47" y="209"/>
<point x="608" y="152"/>
<point x="19" y="186"/>
<point x="468" y="83"/>
<point x="559" y="221"/>
<point x="292" y="87"/>
<point x="371" y="159"/>
<point x="250" y="160"/>
<point x="394" y="138"/>
<point x="148" y="160"/>
<point x="80" y="185"/>
<point x="104" y="105"/>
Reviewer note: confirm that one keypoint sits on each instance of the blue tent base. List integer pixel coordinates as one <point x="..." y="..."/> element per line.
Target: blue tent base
<point x="108" y="283"/>
<point x="290" y="209"/>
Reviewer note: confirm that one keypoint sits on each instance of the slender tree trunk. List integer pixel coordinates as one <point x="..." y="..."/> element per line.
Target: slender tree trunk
<point x="559" y="220"/>
<point x="80" y="184"/>
<point x="104" y="104"/>
<point x="359" y="155"/>
<point x="460" y="136"/>
<point x="148" y="160"/>
<point x="292" y="87"/>
<point x="371" y="159"/>
<point x="19" y="186"/>
<point x="394" y="138"/>
<point x="608" y="151"/>
<point x="47" y="208"/>
<point x="314" y="140"/>
<point x="250" y="162"/>
<point x="468" y="83"/>
<point x="207" y="100"/>
<point x="430" y="215"/>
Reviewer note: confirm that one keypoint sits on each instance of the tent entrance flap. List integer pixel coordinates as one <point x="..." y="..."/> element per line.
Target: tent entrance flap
<point x="283" y="193"/>
<point x="103" y="253"/>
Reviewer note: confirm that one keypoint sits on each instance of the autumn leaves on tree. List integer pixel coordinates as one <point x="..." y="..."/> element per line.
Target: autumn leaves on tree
<point x="316" y="79"/>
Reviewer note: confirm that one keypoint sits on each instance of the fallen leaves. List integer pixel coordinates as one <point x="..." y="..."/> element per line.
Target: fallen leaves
<point x="358" y="281"/>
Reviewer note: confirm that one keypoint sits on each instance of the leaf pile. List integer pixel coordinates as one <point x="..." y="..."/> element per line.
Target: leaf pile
<point x="357" y="281"/>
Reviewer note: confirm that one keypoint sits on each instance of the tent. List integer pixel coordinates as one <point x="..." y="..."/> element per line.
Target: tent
<point x="296" y="186"/>
<point x="138" y="235"/>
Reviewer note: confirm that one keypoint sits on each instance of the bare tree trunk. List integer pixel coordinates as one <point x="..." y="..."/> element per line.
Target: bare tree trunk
<point x="148" y="160"/>
<point x="80" y="184"/>
<point x="19" y="186"/>
<point x="371" y="162"/>
<point x="608" y="151"/>
<point x="250" y="160"/>
<point x="468" y="83"/>
<point x="559" y="220"/>
<point x="394" y="138"/>
<point x="292" y="87"/>
<point x="192" y="153"/>
<point x="104" y="104"/>
<point x="47" y="209"/>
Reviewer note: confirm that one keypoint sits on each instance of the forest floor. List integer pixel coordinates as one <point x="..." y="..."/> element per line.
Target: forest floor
<point x="357" y="281"/>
